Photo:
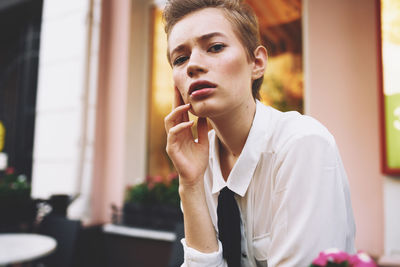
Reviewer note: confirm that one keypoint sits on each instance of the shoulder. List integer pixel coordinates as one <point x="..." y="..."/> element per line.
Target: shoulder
<point x="291" y="128"/>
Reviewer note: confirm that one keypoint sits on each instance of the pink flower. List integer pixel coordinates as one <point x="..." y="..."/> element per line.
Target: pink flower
<point x="158" y="179"/>
<point x="321" y="260"/>
<point x="150" y="182"/>
<point x="172" y="176"/>
<point x="361" y="259"/>
<point x="153" y="180"/>
<point x="10" y="170"/>
<point x="330" y="255"/>
<point x="338" y="257"/>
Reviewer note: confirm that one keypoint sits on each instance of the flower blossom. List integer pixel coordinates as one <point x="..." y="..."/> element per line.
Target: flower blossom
<point x="336" y="256"/>
<point x="330" y="255"/>
<point x="361" y="259"/>
<point x="10" y="170"/>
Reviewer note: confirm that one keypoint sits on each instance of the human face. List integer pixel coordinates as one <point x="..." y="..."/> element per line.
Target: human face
<point x="211" y="68"/>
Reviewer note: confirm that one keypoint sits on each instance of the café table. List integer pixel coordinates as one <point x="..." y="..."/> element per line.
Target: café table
<point x="22" y="247"/>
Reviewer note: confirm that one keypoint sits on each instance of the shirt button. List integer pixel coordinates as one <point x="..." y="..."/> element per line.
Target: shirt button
<point x="244" y="255"/>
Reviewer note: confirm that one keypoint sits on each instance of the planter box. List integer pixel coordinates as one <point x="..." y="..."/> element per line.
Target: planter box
<point x="16" y="210"/>
<point x="152" y="216"/>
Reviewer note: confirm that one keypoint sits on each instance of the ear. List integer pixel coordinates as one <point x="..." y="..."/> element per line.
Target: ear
<point x="260" y="62"/>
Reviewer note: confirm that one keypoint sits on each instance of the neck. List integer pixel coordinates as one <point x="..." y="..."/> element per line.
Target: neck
<point x="233" y="128"/>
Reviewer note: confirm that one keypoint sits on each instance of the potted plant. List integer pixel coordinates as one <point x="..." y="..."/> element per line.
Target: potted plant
<point x="154" y="203"/>
<point x="17" y="208"/>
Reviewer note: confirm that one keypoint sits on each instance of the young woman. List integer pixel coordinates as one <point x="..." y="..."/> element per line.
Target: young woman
<point x="282" y="170"/>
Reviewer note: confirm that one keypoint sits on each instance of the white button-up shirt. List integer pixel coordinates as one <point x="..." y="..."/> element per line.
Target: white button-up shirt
<point x="291" y="189"/>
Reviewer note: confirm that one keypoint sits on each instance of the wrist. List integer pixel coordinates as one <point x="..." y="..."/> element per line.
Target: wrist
<point x="190" y="188"/>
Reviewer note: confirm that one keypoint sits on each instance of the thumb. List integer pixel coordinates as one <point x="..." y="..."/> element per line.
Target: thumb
<point x="202" y="130"/>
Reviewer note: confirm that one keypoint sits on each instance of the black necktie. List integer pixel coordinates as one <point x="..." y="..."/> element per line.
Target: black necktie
<point x="229" y="227"/>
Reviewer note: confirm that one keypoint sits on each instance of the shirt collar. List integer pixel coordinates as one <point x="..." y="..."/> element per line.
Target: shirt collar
<point x="243" y="170"/>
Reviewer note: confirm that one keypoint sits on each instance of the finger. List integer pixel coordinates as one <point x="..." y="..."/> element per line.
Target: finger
<point x="185" y="116"/>
<point x="178" y="100"/>
<point x="176" y="116"/>
<point x="178" y="129"/>
<point x="202" y="130"/>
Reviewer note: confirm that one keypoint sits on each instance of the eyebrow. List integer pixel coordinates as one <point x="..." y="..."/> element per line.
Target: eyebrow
<point x="200" y="38"/>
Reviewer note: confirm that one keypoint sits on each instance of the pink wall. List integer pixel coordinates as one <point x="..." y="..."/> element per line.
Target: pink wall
<point x="341" y="91"/>
<point x="109" y="159"/>
<point x="341" y="81"/>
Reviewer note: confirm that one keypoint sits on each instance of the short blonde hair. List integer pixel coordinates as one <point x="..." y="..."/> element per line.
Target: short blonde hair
<point x="242" y="17"/>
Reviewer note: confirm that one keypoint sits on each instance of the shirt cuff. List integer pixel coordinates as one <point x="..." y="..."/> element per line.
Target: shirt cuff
<point x="195" y="258"/>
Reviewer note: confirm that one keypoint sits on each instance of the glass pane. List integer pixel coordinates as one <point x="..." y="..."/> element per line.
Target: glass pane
<point x="161" y="97"/>
<point x="391" y="80"/>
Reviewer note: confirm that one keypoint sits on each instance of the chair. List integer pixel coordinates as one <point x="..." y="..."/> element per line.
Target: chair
<point x="66" y="232"/>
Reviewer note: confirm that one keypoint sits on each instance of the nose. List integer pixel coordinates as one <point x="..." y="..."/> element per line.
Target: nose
<point x="196" y="64"/>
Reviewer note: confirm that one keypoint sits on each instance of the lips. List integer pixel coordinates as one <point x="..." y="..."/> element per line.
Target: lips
<point x="196" y="86"/>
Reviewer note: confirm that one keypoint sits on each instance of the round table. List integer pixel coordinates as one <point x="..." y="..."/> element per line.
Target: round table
<point x="16" y="247"/>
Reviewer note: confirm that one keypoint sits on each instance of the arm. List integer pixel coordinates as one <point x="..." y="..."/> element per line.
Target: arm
<point x="190" y="159"/>
<point x="312" y="209"/>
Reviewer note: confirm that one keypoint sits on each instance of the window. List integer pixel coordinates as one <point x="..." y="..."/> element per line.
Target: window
<point x="390" y="89"/>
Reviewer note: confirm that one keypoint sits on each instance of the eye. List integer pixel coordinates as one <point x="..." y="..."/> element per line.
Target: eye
<point x="179" y="60"/>
<point x="216" y="48"/>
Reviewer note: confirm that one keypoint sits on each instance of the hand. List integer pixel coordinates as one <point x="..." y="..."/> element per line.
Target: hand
<point x="190" y="158"/>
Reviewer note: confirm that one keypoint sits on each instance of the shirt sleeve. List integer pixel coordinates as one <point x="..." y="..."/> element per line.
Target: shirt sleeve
<point x="195" y="258"/>
<point x="311" y="208"/>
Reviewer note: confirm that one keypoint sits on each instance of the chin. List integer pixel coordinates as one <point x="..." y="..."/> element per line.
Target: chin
<point x="206" y="109"/>
<point x="200" y="112"/>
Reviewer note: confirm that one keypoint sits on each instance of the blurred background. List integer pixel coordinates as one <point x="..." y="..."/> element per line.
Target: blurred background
<point x="85" y="86"/>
